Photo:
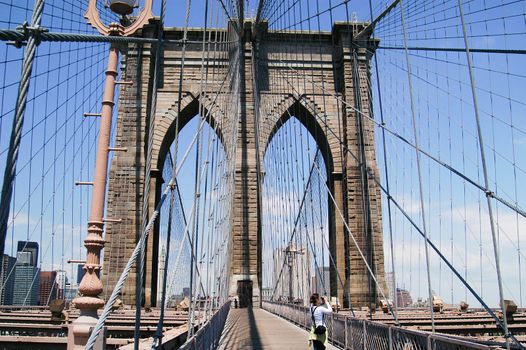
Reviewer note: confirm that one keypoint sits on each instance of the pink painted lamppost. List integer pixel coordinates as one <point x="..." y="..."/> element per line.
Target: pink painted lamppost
<point x="91" y="286"/>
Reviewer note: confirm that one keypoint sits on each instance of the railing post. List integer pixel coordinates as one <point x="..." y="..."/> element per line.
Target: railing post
<point x="332" y="328"/>
<point x="305" y="318"/>
<point x="353" y="341"/>
<point x="390" y="332"/>
<point x="351" y="332"/>
<point x="345" y="332"/>
<point x="429" y="342"/>
<point x="364" y="336"/>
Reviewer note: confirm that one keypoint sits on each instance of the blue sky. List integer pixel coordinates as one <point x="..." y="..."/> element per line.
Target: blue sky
<point x="60" y="142"/>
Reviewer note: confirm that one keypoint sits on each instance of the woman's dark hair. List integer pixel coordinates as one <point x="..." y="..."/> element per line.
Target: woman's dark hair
<point x="314" y="298"/>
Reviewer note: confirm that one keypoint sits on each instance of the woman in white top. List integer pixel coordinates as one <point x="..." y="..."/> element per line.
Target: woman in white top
<point x="318" y="309"/>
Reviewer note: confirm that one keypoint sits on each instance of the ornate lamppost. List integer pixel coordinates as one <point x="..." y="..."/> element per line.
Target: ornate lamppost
<point x="91" y="286"/>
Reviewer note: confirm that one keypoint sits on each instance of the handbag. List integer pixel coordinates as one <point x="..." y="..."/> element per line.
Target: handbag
<point x="318" y="330"/>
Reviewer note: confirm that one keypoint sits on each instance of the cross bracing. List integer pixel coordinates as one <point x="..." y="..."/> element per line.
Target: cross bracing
<point x="264" y="151"/>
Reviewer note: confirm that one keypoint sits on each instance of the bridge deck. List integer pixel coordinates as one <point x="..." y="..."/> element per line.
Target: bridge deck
<point x="259" y="329"/>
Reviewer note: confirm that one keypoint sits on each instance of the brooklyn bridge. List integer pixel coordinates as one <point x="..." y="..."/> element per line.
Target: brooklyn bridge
<point x="187" y="175"/>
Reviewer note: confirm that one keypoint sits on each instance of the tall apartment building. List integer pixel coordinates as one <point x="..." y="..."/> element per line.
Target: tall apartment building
<point x="27" y="274"/>
<point x="31" y="247"/>
<point x="7" y="278"/>
<point x="27" y="282"/>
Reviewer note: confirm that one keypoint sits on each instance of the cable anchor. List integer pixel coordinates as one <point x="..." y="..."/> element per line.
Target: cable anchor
<point x="27" y="31"/>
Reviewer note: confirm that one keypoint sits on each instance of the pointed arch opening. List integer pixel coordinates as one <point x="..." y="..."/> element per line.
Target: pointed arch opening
<point x="194" y="141"/>
<point x="298" y="226"/>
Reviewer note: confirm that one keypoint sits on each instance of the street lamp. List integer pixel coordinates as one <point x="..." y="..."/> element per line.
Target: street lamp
<point x="91" y="286"/>
<point x="291" y="251"/>
<point x="122" y="7"/>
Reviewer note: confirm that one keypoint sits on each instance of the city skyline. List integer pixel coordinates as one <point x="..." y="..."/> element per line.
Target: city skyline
<point x="23" y="282"/>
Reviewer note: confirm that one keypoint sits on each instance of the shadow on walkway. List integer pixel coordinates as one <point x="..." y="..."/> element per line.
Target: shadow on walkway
<point x="258" y="329"/>
<point x="241" y="331"/>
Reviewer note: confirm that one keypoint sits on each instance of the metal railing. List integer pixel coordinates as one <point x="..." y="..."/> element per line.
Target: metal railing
<point x="207" y="337"/>
<point x="357" y="334"/>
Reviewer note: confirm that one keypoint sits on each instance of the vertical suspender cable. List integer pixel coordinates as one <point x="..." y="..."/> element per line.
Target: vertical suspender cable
<point x="158" y="338"/>
<point x="485" y="170"/>
<point x="197" y="183"/>
<point x="386" y="170"/>
<point x="417" y="148"/>
<point x="146" y="193"/>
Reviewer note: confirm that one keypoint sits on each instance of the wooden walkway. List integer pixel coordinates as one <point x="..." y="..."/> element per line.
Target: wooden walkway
<point x="259" y="329"/>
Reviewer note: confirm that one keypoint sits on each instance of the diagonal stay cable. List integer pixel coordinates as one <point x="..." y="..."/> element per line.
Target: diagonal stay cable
<point x="485" y="173"/>
<point x="296" y="221"/>
<point x="419" y="170"/>
<point x="451" y="267"/>
<point x="488" y="191"/>
<point x="18" y="122"/>
<point x="367" y="265"/>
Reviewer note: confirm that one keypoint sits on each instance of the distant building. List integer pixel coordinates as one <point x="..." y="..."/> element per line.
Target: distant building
<point x="70" y="292"/>
<point x="186" y="292"/>
<point x="26" y="286"/>
<point x="27" y="247"/>
<point x="403" y="298"/>
<point x="389" y="280"/>
<point x="7" y="278"/>
<point x="80" y="272"/>
<point x="24" y="258"/>
<point x="266" y="293"/>
<point x="321" y="281"/>
<point x="62" y="280"/>
<point x="48" y="287"/>
<point x="292" y="271"/>
<point x="160" y="278"/>
<point x="27" y="274"/>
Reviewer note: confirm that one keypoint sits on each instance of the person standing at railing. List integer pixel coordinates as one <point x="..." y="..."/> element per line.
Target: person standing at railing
<point x="319" y="307"/>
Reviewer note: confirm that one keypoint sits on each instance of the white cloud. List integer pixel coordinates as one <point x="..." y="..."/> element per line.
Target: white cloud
<point x="470" y="233"/>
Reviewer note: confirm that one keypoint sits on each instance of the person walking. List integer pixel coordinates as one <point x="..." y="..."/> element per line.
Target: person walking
<point x="319" y="307"/>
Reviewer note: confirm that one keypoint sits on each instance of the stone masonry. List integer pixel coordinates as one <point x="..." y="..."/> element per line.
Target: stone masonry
<point x="311" y="76"/>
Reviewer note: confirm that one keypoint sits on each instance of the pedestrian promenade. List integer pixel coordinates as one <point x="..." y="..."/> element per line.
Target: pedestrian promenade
<point x="259" y="329"/>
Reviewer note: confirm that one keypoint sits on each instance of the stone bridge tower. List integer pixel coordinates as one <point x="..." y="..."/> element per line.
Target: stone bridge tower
<point x="338" y="65"/>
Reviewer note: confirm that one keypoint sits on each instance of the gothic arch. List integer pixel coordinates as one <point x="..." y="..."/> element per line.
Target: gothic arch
<point x="165" y="125"/>
<point x="163" y="137"/>
<point x="304" y="110"/>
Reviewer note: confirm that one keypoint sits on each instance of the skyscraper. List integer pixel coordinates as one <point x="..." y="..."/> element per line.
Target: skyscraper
<point x="160" y="279"/>
<point x="389" y="280"/>
<point x="27" y="275"/>
<point x="24" y="258"/>
<point x="7" y="278"/>
<point x="27" y="283"/>
<point x="48" y="286"/>
<point x="80" y="272"/>
<point x="31" y="247"/>
<point x="403" y="298"/>
<point x="62" y="281"/>
<point x="322" y="281"/>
